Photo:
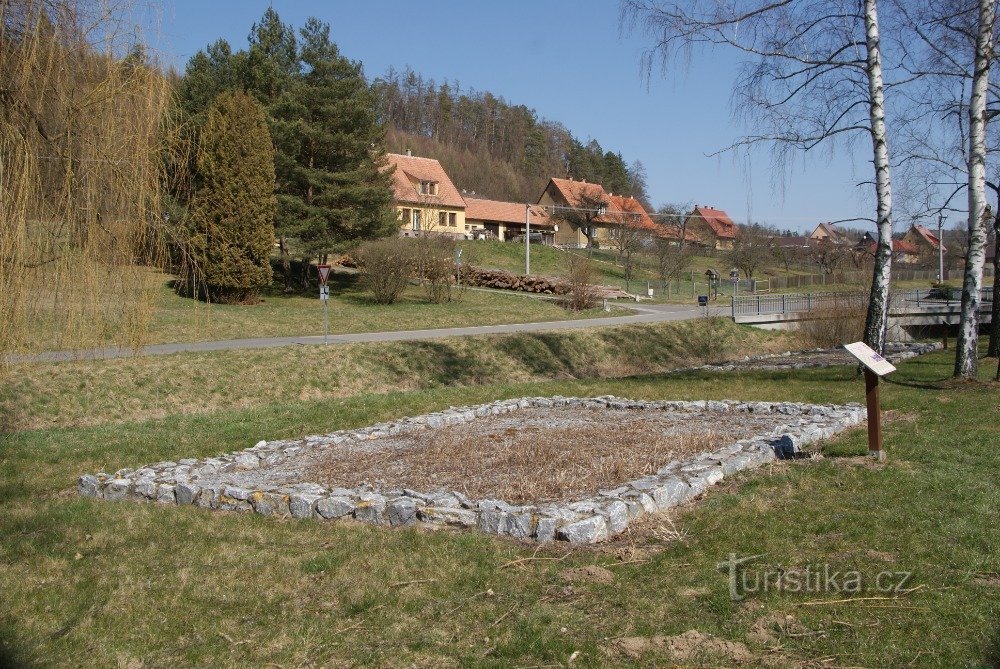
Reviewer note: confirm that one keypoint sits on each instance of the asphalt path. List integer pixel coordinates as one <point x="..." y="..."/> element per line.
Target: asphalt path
<point x="648" y="313"/>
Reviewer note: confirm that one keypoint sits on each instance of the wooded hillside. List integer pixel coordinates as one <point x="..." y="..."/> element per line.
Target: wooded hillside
<point x="491" y="146"/>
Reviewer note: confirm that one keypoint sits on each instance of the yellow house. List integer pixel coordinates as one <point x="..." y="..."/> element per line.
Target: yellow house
<point x="578" y="208"/>
<point x="425" y="199"/>
<point x="506" y="220"/>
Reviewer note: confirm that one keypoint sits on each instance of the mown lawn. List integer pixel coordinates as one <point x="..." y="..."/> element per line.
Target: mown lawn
<point x="89" y="583"/>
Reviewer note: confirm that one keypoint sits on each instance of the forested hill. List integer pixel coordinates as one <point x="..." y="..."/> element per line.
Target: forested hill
<point x="491" y="146"/>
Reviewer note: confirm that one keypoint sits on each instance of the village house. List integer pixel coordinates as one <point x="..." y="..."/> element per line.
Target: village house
<point x="425" y="199"/>
<point x="506" y="220"/>
<point x="830" y="233"/>
<point x="585" y="214"/>
<point x="713" y="226"/>
<point x="925" y="243"/>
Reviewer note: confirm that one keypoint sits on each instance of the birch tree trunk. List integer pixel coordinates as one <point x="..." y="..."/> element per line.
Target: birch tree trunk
<point x="966" y="359"/>
<point x="878" y="304"/>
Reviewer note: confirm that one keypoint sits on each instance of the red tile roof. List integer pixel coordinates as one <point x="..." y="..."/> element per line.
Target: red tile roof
<point x="929" y="236"/>
<point x="719" y="221"/>
<point x="411" y="170"/>
<point x="898" y="246"/>
<point x="478" y="209"/>
<point x="579" y="193"/>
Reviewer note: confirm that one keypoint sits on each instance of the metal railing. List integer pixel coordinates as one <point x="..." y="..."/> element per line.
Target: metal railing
<point x="792" y="303"/>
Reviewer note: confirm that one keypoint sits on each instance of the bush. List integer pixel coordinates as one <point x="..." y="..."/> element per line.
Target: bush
<point x="385" y="265"/>
<point x="580" y="277"/>
<point x="838" y="322"/>
<point x="434" y="260"/>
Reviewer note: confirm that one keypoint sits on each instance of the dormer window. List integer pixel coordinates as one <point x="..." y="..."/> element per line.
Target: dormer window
<point x="428" y="188"/>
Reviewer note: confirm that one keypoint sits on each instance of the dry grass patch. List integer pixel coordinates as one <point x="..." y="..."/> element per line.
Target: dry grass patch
<point x="533" y="456"/>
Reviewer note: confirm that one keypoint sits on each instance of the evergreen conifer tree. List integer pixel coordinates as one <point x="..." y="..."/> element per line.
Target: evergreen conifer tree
<point x="233" y="208"/>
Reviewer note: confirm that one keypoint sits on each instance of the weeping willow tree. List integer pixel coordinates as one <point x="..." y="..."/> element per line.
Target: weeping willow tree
<point x="84" y="128"/>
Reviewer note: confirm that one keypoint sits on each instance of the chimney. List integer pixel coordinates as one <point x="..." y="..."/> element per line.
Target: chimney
<point x="409" y="153"/>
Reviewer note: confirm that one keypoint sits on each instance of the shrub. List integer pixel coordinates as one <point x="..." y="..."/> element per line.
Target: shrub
<point x="385" y="265"/>
<point x="434" y="259"/>
<point x="839" y="321"/>
<point x="580" y="277"/>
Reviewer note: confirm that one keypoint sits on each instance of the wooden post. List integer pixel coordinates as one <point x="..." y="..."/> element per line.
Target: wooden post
<point x="874" y="416"/>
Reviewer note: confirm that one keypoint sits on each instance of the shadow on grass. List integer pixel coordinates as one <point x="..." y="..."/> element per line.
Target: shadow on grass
<point x="992" y="657"/>
<point x="10" y="656"/>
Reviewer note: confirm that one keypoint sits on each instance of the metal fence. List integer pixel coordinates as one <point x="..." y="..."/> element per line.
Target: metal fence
<point x="790" y="303"/>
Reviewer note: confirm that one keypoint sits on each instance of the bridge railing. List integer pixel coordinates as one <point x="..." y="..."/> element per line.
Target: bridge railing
<point x="792" y="303"/>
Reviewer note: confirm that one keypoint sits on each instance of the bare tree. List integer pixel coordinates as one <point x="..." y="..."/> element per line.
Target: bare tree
<point x="672" y="257"/>
<point x="827" y="256"/>
<point x="813" y="74"/>
<point x="751" y="249"/>
<point x="628" y="237"/>
<point x="966" y="349"/>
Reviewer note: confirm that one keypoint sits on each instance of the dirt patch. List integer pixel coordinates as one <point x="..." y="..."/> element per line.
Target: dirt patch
<point x="689" y="646"/>
<point x="991" y="580"/>
<point x="768" y="630"/>
<point x="533" y="456"/>
<point x="590" y="573"/>
<point x="693" y="593"/>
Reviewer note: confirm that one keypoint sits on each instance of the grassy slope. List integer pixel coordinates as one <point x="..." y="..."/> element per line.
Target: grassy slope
<point x="75" y="393"/>
<point x="105" y="584"/>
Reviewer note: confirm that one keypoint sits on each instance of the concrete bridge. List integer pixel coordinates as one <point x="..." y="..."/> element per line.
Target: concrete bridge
<point x="912" y="313"/>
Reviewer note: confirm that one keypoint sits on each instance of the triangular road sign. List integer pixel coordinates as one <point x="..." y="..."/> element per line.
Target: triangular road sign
<point x="324" y="273"/>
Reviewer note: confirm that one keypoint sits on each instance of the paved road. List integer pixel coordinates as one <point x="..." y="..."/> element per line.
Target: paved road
<point x="652" y="313"/>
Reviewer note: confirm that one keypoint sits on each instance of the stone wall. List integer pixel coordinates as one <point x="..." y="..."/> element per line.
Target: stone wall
<point x="586" y="520"/>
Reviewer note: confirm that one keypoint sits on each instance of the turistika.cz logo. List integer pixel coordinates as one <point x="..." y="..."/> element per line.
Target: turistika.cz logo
<point x="746" y="580"/>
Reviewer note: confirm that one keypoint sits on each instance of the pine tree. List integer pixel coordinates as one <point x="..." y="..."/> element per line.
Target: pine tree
<point x="232" y="210"/>
<point x="331" y="148"/>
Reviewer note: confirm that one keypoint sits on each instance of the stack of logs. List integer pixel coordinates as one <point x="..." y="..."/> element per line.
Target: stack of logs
<point x="495" y="278"/>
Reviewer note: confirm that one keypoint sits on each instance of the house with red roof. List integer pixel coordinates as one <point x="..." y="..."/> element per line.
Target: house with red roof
<point x="584" y="215"/>
<point x="713" y="226"/>
<point x="425" y="199"/>
<point x="506" y="220"/>
<point x="925" y="242"/>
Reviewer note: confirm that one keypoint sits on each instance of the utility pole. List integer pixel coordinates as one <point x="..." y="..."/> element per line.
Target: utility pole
<point x="940" y="248"/>
<point x="527" y="239"/>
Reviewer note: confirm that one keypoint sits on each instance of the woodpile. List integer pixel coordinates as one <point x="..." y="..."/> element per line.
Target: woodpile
<point x="501" y="280"/>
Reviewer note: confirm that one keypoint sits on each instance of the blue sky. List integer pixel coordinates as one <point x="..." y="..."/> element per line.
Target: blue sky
<point x="568" y="61"/>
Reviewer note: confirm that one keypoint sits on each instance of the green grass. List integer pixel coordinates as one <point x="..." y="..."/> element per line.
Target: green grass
<point x="179" y="319"/>
<point x="128" y="389"/>
<point x="105" y="584"/>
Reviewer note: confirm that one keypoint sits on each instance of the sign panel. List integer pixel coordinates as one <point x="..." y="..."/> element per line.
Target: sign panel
<point x="324" y="273"/>
<point x="324" y="292"/>
<point x="869" y="358"/>
<point x="703" y="300"/>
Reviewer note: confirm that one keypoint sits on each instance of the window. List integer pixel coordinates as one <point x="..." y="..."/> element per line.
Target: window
<point x="468" y="227"/>
<point x="452" y="219"/>
<point x="428" y="188"/>
<point x="442" y="216"/>
<point x="404" y="215"/>
<point x="415" y="221"/>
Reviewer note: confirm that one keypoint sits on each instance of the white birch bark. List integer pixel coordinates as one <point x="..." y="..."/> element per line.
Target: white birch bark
<point x="994" y="348"/>
<point x="966" y="359"/>
<point x="878" y="305"/>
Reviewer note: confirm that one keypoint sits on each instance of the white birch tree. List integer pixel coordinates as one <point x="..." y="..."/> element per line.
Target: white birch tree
<point x="813" y="75"/>
<point x="966" y="349"/>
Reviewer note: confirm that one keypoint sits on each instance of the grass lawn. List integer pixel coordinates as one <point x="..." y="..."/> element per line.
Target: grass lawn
<point x="129" y="389"/>
<point x="129" y="585"/>
<point x="178" y="319"/>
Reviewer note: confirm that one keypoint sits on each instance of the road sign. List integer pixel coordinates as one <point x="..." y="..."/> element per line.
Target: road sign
<point x="869" y="358"/>
<point x="703" y="300"/>
<point x="734" y="275"/>
<point x="324" y="273"/>
<point x="324" y="292"/>
<point x="458" y="255"/>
